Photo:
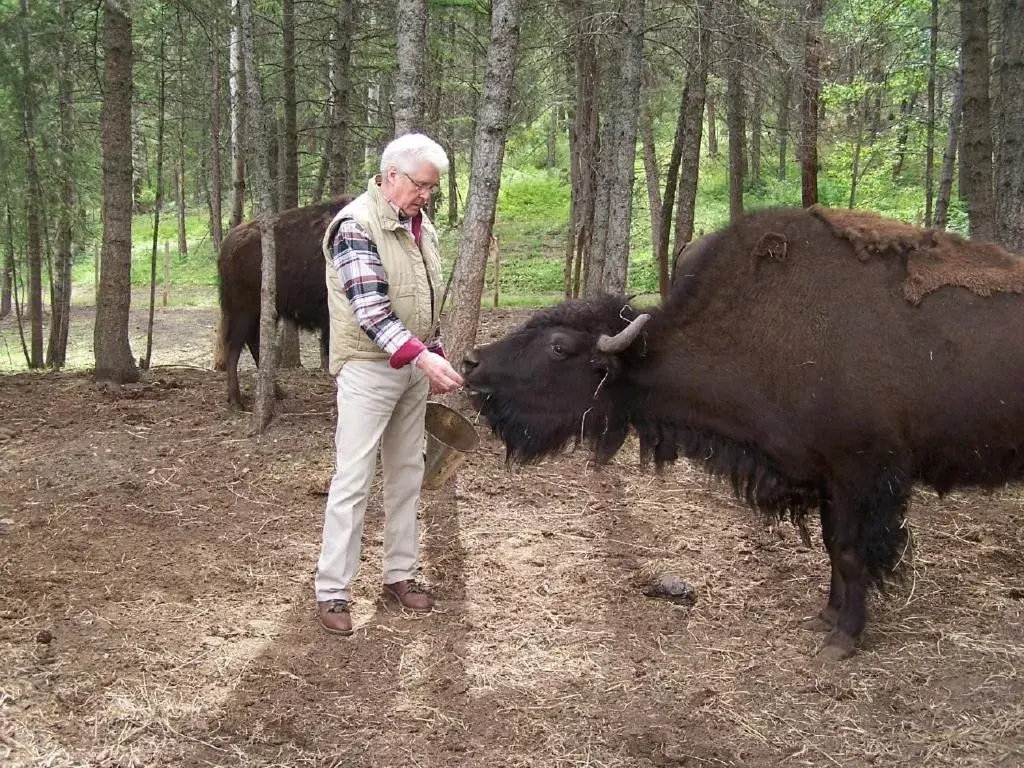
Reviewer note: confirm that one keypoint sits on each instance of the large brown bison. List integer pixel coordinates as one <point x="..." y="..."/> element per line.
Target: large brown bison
<point x="301" y="285"/>
<point x="819" y="360"/>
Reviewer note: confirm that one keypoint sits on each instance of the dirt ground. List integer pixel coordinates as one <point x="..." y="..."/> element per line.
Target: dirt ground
<point x="156" y="604"/>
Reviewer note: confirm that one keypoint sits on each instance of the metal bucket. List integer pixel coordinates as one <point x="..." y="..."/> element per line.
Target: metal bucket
<point x="450" y="437"/>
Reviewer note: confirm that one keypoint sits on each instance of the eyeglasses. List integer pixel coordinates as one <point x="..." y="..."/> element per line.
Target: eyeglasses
<point x="432" y="189"/>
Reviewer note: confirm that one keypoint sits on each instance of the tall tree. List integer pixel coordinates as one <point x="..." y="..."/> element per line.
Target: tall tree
<point x="929" y="148"/>
<point x="288" y="182"/>
<point x="60" y="315"/>
<point x="784" y="94"/>
<point x="158" y="204"/>
<point x="976" y="160"/>
<point x="259" y="164"/>
<point x="485" y="175"/>
<point x="238" y="128"/>
<point x="33" y="197"/>
<point x="621" y="93"/>
<point x="810" y="103"/>
<point x="684" y="167"/>
<point x="216" y="210"/>
<point x="410" y="98"/>
<point x="340" y="86"/>
<point x="114" y="361"/>
<point x="1010" y="149"/>
<point x="949" y="156"/>
<point x="735" y="107"/>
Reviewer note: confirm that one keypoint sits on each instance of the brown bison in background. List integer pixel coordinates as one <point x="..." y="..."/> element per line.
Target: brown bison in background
<point x="301" y="281"/>
<point x="819" y="360"/>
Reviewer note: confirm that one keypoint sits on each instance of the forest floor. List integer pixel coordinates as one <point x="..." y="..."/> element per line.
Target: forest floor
<point x="156" y="603"/>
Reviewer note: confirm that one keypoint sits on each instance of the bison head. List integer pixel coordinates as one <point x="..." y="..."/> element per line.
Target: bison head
<point x="557" y="378"/>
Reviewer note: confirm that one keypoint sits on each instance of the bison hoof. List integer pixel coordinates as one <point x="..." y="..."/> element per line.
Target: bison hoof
<point x="838" y="646"/>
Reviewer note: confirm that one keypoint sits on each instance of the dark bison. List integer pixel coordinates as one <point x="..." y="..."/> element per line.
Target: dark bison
<point x="818" y="359"/>
<point x="301" y="283"/>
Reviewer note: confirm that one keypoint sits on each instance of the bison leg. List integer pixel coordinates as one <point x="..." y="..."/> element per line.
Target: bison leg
<point x="846" y="609"/>
<point x="827" y="617"/>
<point x="239" y="334"/>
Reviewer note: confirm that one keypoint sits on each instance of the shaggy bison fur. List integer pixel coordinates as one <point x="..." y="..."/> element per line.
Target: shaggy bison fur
<point x="301" y="284"/>
<point x="796" y="357"/>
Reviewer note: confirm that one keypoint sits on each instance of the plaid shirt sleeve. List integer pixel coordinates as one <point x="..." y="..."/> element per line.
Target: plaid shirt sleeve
<point x="358" y="263"/>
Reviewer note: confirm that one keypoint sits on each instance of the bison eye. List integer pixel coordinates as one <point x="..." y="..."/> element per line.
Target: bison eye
<point x="558" y="350"/>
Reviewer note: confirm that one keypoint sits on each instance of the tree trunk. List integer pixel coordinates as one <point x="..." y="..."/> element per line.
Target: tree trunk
<point x="651" y="173"/>
<point x="756" y="122"/>
<point x="341" y="85"/>
<point x="810" y="104"/>
<point x="216" y="209"/>
<point x="907" y="107"/>
<point x="114" y="361"/>
<point x="1010" y="150"/>
<point x="161" y="108"/>
<point x="33" y="200"/>
<point x="290" y="135"/>
<point x="735" y="104"/>
<point x="238" y="137"/>
<point x="179" y="176"/>
<point x="5" y="281"/>
<point x="683" y="169"/>
<point x="60" y="311"/>
<point x="785" y="92"/>
<point x="949" y="156"/>
<point x="259" y="128"/>
<point x="929" y="148"/>
<point x="976" y="161"/>
<point x="610" y="254"/>
<point x="712" y="112"/>
<point x="583" y="147"/>
<point x="485" y="176"/>
<point x="412" y="61"/>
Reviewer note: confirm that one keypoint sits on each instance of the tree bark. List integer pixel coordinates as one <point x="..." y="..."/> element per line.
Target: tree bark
<point x="976" y="162"/>
<point x="288" y="182"/>
<point x="238" y="137"/>
<point x="712" y="111"/>
<point x="1010" y="150"/>
<point x="114" y="361"/>
<point x="179" y="176"/>
<point x="259" y="126"/>
<point x="412" y="60"/>
<point x="810" y="105"/>
<point x="485" y="176"/>
<point x="60" y="311"/>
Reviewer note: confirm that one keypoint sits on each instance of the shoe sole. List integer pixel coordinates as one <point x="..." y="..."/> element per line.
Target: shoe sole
<point x="340" y="632"/>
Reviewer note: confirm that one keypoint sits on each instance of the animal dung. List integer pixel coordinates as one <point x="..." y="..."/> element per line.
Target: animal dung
<point x="670" y="587"/>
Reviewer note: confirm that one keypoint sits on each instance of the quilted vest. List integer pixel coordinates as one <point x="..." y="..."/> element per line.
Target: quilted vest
<point x="413" y="273"/>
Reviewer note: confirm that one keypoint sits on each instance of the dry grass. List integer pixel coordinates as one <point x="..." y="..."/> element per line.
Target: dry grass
<point x="170" y="556"/>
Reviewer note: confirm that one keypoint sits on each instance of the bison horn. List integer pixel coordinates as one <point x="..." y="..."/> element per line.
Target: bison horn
<point x="621" y="340"/>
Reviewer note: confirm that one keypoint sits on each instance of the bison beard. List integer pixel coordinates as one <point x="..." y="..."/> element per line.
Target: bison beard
<point x="791" y="362"/>
<point x="301" y="281"/>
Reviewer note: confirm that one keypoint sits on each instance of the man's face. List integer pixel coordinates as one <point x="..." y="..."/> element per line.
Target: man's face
<point x="411" y="191"/>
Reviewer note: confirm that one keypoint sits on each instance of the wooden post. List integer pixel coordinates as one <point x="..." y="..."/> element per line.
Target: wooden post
<point x="496" y="252"/>
<point x="167" y="270"/>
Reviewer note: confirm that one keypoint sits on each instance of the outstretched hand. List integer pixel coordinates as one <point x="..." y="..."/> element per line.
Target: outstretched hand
<point x="443" y="378"/>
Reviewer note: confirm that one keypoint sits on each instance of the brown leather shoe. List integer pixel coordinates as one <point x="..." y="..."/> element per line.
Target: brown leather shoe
<point x="335" y="616"/>
<point x="409" y="595"/>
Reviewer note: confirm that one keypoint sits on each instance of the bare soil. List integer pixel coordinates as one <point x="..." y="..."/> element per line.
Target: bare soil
<point x="156" y="604"/>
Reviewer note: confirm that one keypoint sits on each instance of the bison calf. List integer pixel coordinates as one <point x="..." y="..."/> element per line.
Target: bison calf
<point x="820" y="360"/>
<point x="301" y="285"/>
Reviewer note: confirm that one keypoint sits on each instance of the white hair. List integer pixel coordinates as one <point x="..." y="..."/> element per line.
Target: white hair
<point x="406" y="152"/>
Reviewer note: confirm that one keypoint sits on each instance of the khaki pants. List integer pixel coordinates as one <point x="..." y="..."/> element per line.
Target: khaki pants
<point x="378" y="407"/>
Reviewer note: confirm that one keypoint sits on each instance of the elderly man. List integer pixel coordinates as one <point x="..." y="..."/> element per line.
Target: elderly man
<point x="383" y="281"/>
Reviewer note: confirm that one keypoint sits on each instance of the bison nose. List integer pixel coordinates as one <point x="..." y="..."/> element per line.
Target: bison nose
<point x="470" y="362"/>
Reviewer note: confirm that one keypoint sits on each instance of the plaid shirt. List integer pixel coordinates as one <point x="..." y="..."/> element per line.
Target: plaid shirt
<point x="358" y="263"/>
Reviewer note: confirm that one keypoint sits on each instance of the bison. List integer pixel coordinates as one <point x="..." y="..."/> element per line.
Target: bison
<point x="820" y="360"/>
<point x="301" y="286"/>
